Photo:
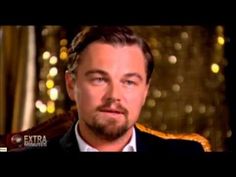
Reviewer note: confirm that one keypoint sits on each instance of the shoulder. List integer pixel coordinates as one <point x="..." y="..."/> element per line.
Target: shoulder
<point x="153" y="140"/>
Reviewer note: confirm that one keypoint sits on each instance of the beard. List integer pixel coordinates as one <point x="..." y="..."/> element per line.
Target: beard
<point x="109" y="129"/>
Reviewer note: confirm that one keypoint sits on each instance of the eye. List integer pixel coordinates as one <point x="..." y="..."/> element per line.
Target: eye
<point x="129" y="83"/>
<point x="98" y="80"/>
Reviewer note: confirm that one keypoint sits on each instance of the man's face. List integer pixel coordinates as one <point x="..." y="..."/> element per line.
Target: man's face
<point x="110" y="88"/>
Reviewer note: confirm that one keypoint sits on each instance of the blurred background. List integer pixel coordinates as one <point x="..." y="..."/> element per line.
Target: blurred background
<point x="191" y="90"/>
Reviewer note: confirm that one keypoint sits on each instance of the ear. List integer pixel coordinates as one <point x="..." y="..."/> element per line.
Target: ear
<point x="70" y="85"/>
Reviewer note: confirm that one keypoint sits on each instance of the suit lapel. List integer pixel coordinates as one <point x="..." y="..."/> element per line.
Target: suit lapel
<point x="68" y="142"/>
<point x="149" y="143"/>
<point x="142" y="146"/>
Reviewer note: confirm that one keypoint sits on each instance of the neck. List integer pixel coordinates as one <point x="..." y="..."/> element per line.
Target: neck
<point x="100" y="143"/>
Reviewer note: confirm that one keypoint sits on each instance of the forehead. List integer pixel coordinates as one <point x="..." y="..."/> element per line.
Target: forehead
<point x="99" y="54"/>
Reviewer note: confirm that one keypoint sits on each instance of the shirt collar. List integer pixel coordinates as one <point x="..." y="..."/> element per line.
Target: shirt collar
<point x="84" y="147"/>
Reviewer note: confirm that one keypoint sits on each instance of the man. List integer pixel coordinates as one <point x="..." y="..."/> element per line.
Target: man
<point x="108" y="77"/>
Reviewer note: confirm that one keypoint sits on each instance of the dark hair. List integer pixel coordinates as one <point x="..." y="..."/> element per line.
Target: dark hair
<point x="111" y="35"/>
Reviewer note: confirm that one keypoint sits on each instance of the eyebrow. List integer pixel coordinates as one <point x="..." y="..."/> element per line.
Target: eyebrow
<point x="98" y="71"/>
<point x="134" y="75"/>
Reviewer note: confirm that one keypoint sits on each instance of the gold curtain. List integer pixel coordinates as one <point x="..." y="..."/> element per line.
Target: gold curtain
<point x="17" y="78"/>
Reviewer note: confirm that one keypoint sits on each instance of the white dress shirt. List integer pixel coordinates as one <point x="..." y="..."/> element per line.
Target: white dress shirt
<point x="84" y="147"/>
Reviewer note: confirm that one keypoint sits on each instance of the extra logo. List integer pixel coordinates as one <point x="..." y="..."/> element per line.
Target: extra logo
<point x="17" y="139"/>
<point x="29" y="140"/>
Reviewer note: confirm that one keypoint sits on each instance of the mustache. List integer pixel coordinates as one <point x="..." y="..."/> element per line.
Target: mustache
<point x="118" y="108"/>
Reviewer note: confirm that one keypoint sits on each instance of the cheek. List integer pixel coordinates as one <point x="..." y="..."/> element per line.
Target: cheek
<point x="87" y="98"/>
<point x="137" y="96"/>
<point x="135" y="102"/>
<point x="134" y="109"/>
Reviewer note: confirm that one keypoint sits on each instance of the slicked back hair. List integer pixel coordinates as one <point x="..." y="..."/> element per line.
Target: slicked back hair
<point x="114" y="35"/>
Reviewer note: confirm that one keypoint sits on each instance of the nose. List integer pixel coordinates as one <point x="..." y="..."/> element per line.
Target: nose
<point x="113" y="93"/>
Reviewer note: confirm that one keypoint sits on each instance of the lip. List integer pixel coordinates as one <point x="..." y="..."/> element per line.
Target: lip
<point x="111" y="114"/>
<point x="112" y="111"/>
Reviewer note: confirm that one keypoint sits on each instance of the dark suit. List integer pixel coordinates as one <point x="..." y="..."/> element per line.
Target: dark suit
<point x="145" y="143"/>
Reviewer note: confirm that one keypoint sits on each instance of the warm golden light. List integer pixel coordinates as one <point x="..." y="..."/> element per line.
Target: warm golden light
<point x="50" y="107"/>
<point x="63" y="49"/>
<point x="53" y="94"/>
<point x="157" y="93"/>
<point x="178" y="46"/>
<point x="46" y="55"/>
<point x="53" y="60"/>
<point x="188" y="108"/>
<point x="50" y="83"/>
<point x="53" y="71"/>
<point x="44" y="32"/>
<point x="202" y="109"/>
<point x="43" y="108"/>
<point x="155" y="53"/>
<point x="219" y="29"/>
<point x="63" y="42"/>
<point x="151" y="103"/>
<point x="63" y="55"/>
<point x="163" y="127"/>
<point x="220" y="40"/>
<point x="38" y="103"/>
<point x="153" y="42"/>
<point x="172" y="59"/>
<point x="184" y="35"/>
<point x="176" y="87"/>
<point x="41" y="86"/>
<point x="215" y="68"/>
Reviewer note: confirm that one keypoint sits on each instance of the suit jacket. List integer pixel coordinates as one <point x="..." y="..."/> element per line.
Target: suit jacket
<point x="145" y="143"/>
